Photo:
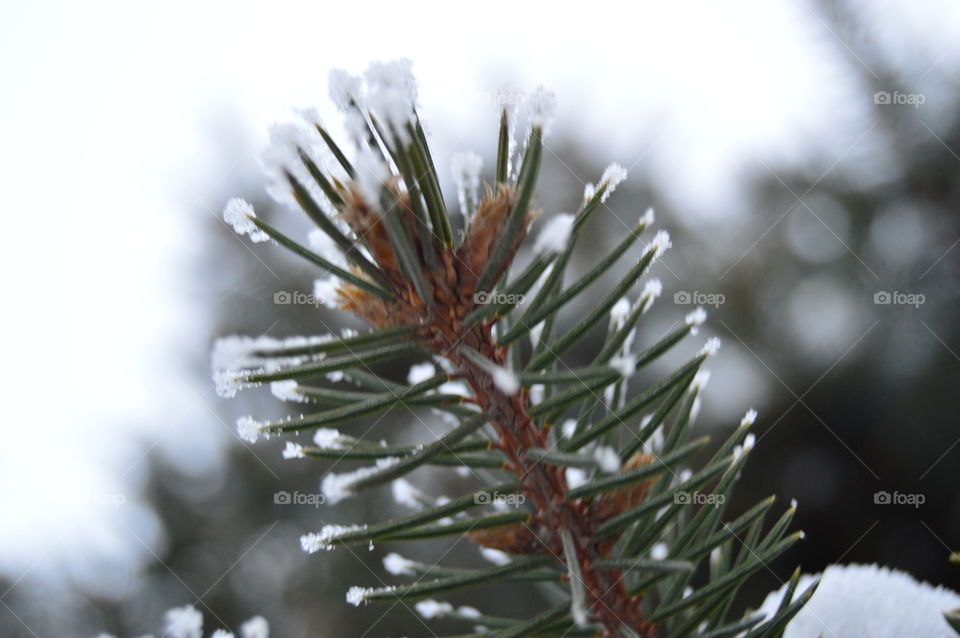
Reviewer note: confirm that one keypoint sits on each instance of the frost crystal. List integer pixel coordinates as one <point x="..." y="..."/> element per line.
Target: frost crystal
<point x="458" y="388"/>
<point x="392" y="95"/>
<point x="235" y="352"/>
<point x="651" y="290"/>
<point x="430" y="608"/>
<point x="695" y="408"/>
<point x="315" y="541"/>
<point x="323" y="245"/>
<point x="336" y="487"/>
<point x="404" y="493"/>
<point x="535" y="333"/>
<point x="738" y="451"/>
<point x="398" y="565"/>
<point x="626" y="365"/>
<point x="293" y="451"/>
<point x="282" y="159"/>
<point x="344" y="89"/>
<point x="655" y="443"/>
<point x="612" y="176"/>
<point x="286" y="390"/>
<point x="325" y="291"/>
<point x="495" y="556"/>
<point x="227" y="382"/>
<point x="249" y="429"/>
<point x="256" y="627"/>
<point x="371" y="175"/>
<point x="659" y="244"/>
<point x="711" y="347"/>
<point x="469" y="612"/>
<point x="695" y="319"/>
<point x="543" y="107"/>
<point x="309" y="114"/>
<point x="396" y="75"/>
<point x="700" y="380"/>
<point x="647" y="218"/>
<point x="421" y="372"/>
<point x="505" y="380"/>
<point x="748" y="418"/>
<point x="466" y="169"/>
<point x="589" y="191"/>
<point x="659" y="551"/>
<point x="330" y="439"/>
<point x="575" y="477"/>
<point x="183" y="622"/>
<point x="239" y="214"/>
<point x="357" y="595"/>
<point x="607" y="459"/>
<point x="537" y="392"/>
<point x="555" y="235"/>
<point x="568" y="428"/>
<point x="221" y="633"/>
<point x="619" y="313"/>
<point x="356" y="126"/>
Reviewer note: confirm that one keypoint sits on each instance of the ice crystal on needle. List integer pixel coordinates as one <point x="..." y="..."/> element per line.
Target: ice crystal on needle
<point x="337" y="487"/>
<point x="555" y="235"/>
<point x="249" y="429"/>
<point x="421" y="372"/>
<point x="430" y="608"/>
<point x="398" y="565"/>
<point x="404" y="493"/>
<point x="315" y="541"/>
<point x="466" y="169"/>
<point x="183" y="622"/>
<point x="239" y="214"/>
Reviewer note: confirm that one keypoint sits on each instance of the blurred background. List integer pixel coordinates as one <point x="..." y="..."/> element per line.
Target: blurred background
<point x="804" y="155"/>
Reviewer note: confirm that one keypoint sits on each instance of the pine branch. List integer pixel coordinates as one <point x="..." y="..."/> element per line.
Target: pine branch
<point x="614" y="520"/>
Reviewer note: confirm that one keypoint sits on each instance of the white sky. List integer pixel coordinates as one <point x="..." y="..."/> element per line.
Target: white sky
<point x="105" y="156"/>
